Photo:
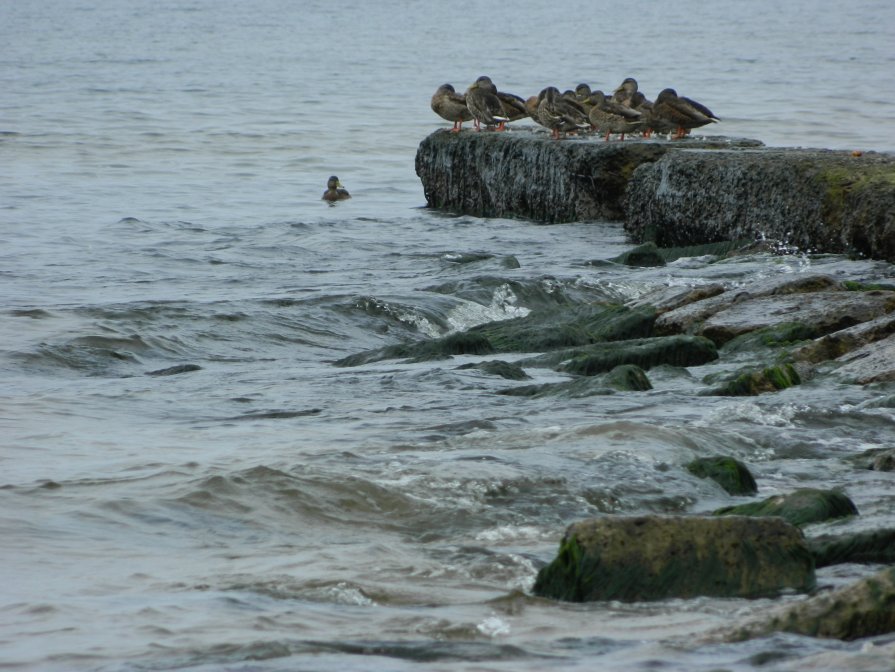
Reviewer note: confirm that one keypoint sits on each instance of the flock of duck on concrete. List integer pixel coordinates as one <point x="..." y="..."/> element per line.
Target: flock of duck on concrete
<point x="627" y="110"/>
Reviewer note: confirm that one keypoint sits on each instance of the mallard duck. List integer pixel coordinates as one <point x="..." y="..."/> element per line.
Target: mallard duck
<point x="513" y="107"/>
<point x="334" y="190"/>
<point x="451" y="106"/>
<point x="624" y="92"/>
<point x="582" y="97"/>
<point x="560" y="114"/>
<point x="684" y="114"/>
<point x="531" y="106"/>
<point x="484" y="104"/>
<point x="608" y="116"/>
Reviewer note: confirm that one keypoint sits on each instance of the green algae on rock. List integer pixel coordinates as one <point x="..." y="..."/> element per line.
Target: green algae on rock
<point x="497" y="367"/>
<point x="872" y="547"/>
<point x="862" y="609"/>
<point x="645" y="353"/>
<point x="752" y="383"/>
<point x="800" y="507"/>
<point x="633" y="558"/>
<point x="728" y="472"/>
<point x="624" y="378"/>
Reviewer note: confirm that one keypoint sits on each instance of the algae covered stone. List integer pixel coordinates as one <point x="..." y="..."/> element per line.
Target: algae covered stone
<point x="753" y="383"/>
<point x="634" y="558"/>
<point x="800" y="507"/>
<point x="863" y="609"/>
<point x="729" y="473"/>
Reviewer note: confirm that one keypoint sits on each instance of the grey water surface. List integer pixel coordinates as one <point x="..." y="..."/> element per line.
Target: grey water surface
<point x="258" y="508"/>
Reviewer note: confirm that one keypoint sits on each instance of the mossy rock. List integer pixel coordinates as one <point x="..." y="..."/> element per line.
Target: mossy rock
<point x="855" y="286"/>
<point x="567" y="389"/>
<point x="863" y="609"/>
<point x="500" y="368"/>
<point x="729" y="473"/>
<point x="777" y="336"/>
<point x="642" y="256"/>
<point x="644" y="353"/>
<point x="650" y="255"/>
<point x="634" y="558"/>
<point x="770" y="379"/>
<point x="873" y="547"/>
<point x="462" y="343"/>
<point x="627" y="378"/>
<point x="568" y="326"/>
<point x="801" y="507"/>
<point x="539" y="331"/>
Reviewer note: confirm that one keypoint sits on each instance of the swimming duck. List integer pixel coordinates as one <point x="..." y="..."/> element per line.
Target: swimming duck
<point x="483" y="103"/>
<point x="560" y="114"/>
<point x="450" y="106"/>
<point x="335" y="191"/>
<point x="684" y="114"/>
<point x="609" y="116"/>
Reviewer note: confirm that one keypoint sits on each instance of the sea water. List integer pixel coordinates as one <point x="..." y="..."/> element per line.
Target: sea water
<point x="161" y="167"/>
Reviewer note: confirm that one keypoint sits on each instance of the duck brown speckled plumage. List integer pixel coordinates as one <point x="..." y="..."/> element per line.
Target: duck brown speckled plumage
<point x="681" y="113"/>
<point x="484" y="104"/>
<point x="560" y="114"/>
<point x="608" y="116"/>
<point x="451" y="106"/>
<point x="335" y="191"/>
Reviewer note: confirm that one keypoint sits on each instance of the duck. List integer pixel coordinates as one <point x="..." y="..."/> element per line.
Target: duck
<point x="484" y="104"/>
<point x="680" y="112"/>
<point x="583" y="95"/>
<point x="608" y="116"/>
<point x="531" y="106"/>
<point x="560" y="114"/>
<point x="625" y="91"/>
<point x="513" y="107"/>
<point x="451" y="106"/>
<point x="334" y="190"/>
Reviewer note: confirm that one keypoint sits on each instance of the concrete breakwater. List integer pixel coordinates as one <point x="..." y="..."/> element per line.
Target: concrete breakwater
<point x="674" y="193"/>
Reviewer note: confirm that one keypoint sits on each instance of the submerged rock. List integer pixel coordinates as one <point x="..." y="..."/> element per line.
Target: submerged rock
<point x="752" y="383"/>
<point x="872" y="363"/>
<point x="877" y="546"/>
<point x="645" y="353"/>
<point x="800" y="507"/>
<point x="826" y="312"/>
<point x="563" y="327"/>
<point x="690" y="317"/>
<point x="625" y="378"/>
<point x="729" y="473"/>
<point x="659" y="557"/>
<point x="863" y="609"/>
<point x="846" y="340"/>
<point x="498" y="367"/>
<point x="175" y="370"/>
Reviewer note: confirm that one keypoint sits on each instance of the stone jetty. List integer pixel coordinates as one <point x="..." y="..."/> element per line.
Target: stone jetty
<point x="674" y="193"/>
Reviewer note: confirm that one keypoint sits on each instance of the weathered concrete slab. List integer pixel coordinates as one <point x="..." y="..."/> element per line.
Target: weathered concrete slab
<point x="527" y="174"/>
<point x="686" y="192"/>
<point x="817" y="200"/>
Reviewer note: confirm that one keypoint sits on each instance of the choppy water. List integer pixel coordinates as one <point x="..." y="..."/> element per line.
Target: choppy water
<point x="161" y="166"/>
